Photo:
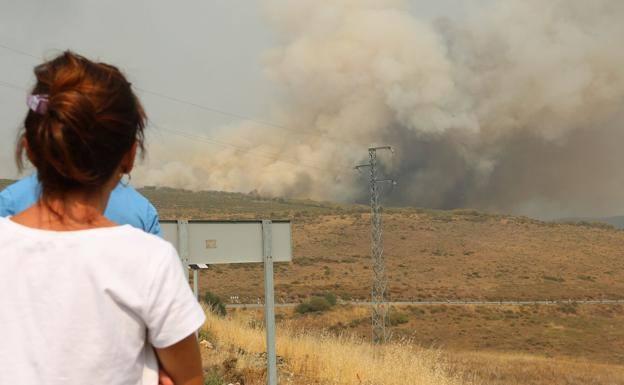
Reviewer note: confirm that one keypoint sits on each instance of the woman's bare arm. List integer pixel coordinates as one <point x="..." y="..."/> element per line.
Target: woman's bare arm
<point x="182" y="362"/>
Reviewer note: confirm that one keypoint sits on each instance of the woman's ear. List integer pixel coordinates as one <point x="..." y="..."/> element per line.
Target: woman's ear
<point x="127" y="162"/>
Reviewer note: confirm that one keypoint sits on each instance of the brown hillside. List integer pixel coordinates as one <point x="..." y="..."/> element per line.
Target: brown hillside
<point x="452" y="255"/>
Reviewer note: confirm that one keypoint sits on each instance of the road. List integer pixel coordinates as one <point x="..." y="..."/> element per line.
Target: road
<point x="450" y="302"/>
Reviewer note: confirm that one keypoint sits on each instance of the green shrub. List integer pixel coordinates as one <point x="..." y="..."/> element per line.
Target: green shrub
<point x="314" y="305"/>
<point x="206" y="335"/>
<point x="568" y="308"/>
<point x="586" y="278"/>
<point x="303" y="308"/>
<point x="331" y="298"/>
<point x="438" y="309"/>
<point x="397" y="318"/>
<point x="551" y="278"/>
<point x="415" y="310"/>
<point x="215" y="303"/>
<point x="358" y="321"/>
<point x="213" y="378"/>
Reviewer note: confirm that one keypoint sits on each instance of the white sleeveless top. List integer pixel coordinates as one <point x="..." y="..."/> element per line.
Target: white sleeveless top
<point x="78" y="307"/>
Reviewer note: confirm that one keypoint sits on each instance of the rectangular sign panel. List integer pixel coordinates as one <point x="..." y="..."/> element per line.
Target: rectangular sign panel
<point x="220" y="242"/>
<point x="170" y="233"/>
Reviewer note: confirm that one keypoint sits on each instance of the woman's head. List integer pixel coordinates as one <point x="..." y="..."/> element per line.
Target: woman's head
<point x="83" y="126"/>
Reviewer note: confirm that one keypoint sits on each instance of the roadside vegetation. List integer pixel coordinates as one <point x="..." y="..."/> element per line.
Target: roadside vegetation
<point x="214" y="303"/>
<point x="317" y="304"/>
<point x="233" y="351"/>
<point x="307" y="358"/>
<point x="564" y="331"/>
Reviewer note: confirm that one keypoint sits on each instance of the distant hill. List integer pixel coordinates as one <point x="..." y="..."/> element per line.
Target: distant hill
<point x="176" y="203"/>
<point x="616" y="221"/>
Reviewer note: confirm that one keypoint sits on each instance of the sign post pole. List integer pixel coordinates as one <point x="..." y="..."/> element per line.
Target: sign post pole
<point x="183" y="244"/>
<point x="196" y="283"/>
<point x="269" y="302"/>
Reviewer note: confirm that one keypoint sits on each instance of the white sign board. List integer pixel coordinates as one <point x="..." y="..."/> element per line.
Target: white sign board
<point x="220" y="242"/>
<point x="203" y="243"/>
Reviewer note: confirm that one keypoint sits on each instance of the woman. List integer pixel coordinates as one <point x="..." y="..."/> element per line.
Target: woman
<point x="81" y="296"/>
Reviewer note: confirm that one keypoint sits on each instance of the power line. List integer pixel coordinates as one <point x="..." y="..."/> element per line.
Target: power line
<point x="14" y="86"/>
<point x="300" y="131"/>
<point x="17" y="51"/>
<point x="192" y="136"/>
<point x="231" y="114"/>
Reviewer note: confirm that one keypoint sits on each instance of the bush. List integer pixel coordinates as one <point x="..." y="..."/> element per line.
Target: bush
<point x="206" y="335"/>
<point x="213" y="378"/>
<point x="554" y="279"/>
<point x="397" y="318"/>
<point x="314" y="305"/>
<point x="568" y="308"/>
<point x="215" y="303"/>
<point x="331" y="298"/>
<point x="415" y="310"/>
<point x="303" y="308"/>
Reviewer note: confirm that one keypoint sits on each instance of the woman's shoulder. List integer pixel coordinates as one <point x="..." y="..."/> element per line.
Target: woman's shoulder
<point x="114" y="240"/>
<point x="124" y="238"/>
<point x="137" y="238"/>
<point x="126" y="242"/>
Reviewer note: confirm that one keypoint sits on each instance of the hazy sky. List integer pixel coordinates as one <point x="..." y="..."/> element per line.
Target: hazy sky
<point x="207" y="52"/>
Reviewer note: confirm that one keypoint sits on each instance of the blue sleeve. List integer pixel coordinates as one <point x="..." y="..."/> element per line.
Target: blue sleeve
<point x="152" y="221"/>
<point x="7" y="206"/>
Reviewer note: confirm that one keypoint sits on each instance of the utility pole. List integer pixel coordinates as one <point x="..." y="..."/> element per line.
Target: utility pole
<point x="380" y="281"/>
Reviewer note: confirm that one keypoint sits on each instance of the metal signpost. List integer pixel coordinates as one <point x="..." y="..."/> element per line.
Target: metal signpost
<point x="269" y="301"/>
<point x="204" y="243"/>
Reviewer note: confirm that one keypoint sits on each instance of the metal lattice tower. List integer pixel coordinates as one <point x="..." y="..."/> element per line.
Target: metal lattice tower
<point x="380" y="281"/>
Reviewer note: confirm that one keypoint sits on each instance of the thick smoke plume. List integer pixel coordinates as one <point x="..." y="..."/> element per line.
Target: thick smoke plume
<point x="516" y="108"/>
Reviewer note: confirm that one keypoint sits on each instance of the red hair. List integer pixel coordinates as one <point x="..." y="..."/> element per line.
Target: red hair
<point x="91" y="122"/>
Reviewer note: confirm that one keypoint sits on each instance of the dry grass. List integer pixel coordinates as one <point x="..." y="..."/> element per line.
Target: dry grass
<point x="519" y="369"/>
<point x="313" y="358"/>
<point x="582" y="332"/>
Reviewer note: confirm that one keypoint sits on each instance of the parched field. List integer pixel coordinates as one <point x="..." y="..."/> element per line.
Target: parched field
<point x="431" y="255"/>
<point x="439" y="256"/>
<point x="309" y="353"/>
<point x="565" y="331"/>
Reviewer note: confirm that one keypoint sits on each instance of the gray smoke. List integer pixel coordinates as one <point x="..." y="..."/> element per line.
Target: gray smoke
<point x="516" y="108"/>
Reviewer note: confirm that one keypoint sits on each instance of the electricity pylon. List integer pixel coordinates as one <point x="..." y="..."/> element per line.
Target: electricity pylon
<point x="380" y="281"/>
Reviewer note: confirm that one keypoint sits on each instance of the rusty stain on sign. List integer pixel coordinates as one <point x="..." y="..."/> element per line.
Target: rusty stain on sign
<point x="211" y="243"/>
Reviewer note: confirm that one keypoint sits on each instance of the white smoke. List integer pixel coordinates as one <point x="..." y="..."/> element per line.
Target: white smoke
<point x="493" y="111"/>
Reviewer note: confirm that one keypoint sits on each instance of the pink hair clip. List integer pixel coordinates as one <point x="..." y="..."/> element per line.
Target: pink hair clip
<point x="38" y="103"/>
